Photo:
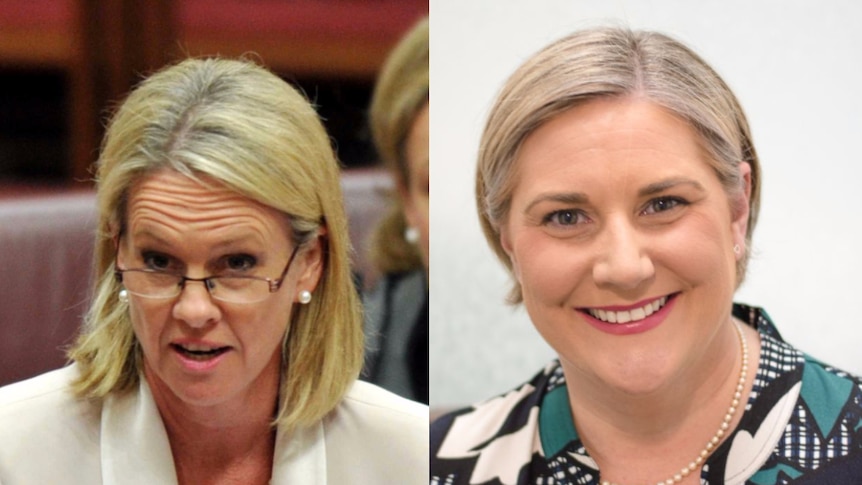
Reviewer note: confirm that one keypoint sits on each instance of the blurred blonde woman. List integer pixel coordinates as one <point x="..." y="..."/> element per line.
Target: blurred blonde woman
<point x="224" y="339"/>
<point x="397" y="309"/>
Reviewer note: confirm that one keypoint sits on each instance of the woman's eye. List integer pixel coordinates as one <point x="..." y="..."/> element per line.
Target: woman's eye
<point x="566" y="217"/>
<point x="156" y="261"/>
<point x="663" y="204"/>
<point x="240" y="262"/>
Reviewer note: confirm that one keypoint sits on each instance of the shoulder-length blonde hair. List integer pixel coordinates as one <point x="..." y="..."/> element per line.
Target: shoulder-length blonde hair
<point x="237" y="123"/>
<point x="611" y="62"/>
<point x="400" y="93"/>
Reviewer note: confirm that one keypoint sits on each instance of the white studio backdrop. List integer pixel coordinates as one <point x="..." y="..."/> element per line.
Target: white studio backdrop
<point x="795" y="66"/>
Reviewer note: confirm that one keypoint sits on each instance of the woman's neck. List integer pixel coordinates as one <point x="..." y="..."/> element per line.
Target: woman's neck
<point x="230" y="442"/>
<point x="236" y="454"/>
<point x="652" y="436"/>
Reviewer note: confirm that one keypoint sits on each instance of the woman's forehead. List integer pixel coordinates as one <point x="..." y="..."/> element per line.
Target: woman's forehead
<point x="172" y="199"/>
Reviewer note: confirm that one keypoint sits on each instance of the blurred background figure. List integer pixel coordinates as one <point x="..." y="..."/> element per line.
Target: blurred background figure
<point x="397" y="309"/>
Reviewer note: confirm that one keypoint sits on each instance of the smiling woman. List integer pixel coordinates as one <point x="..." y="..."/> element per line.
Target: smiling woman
<point x="618" y="183"/>
<point x="224" y="340"/>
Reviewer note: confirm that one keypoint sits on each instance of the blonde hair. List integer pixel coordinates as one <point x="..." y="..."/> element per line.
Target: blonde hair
<point x="237" y="123"/>
<point x="611" y="62"/>
<point x="400" y="93"/>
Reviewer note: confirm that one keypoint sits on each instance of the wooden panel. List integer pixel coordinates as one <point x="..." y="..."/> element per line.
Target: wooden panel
<point x="36" y="33"/>
<point x="302" y="37"/>
<point x="104" y="46"/>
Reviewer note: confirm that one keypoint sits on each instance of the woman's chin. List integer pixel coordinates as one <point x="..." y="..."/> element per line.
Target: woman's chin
<point x="174" y="389"/>
<point x="633" y="379"/>
<point x="638" y="387"/>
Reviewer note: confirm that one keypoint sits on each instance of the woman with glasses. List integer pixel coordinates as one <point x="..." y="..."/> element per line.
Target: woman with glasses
<point x="224" y="339"/>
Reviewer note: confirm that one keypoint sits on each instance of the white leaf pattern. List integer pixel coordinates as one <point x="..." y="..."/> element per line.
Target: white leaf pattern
<point x="748" y="453"/>
<point x="503" y="457"/>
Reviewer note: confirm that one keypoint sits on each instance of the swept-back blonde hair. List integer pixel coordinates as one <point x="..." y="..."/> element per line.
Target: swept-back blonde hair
<point x="400" y="93"/>
<point x="237" y="123"/>
<point x="613" y="62"/>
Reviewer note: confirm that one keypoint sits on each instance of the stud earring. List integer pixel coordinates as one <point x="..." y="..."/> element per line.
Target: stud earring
<point x="736" y="249"/>
<point x="411" y="235"/>
<point x="123" y="296"/>
<point x="304" y="297"/>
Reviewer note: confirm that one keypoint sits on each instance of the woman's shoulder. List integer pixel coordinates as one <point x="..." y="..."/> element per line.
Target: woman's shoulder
<point x="42" y="414"/>
<point x="374" y="406"/>
<point x="38" y="394"/>
<point x="804" y="415"/>
<point x="518" y="402"/>
<point x="373" y="435"/>
<point x="832" y="397"/>
<point x="504" y="428"/>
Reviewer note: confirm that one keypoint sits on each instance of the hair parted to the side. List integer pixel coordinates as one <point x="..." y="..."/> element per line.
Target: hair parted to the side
<point x="235" y="122"/>
<point x="611" y="62"/>
<point x="400" y="93"/>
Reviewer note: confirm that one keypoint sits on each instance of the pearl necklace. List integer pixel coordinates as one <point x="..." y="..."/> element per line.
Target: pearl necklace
<point x="725" y="423"/>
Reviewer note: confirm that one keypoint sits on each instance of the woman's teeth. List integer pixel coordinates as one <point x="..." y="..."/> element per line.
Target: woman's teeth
<point x="200" y="353"/>
<point x="630" y="315"/>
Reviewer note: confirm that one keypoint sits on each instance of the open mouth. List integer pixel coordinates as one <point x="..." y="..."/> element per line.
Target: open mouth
<point x="629" y="316"/>
<point x="200" y="354"/>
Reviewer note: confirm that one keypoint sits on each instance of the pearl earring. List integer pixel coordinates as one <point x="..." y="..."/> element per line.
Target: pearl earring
<point x="304" y="297"/>
<point x="411" y="235"/>
<point x="123" y="296"/>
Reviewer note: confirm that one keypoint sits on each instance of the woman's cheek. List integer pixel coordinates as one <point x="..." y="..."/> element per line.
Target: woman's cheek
<point x="551" y="270"/>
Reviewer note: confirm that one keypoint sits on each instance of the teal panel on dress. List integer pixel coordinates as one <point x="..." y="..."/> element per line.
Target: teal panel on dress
<point x="556" y="426"/>
<point x="770" y="476"/>
<point x="825" y="394"/>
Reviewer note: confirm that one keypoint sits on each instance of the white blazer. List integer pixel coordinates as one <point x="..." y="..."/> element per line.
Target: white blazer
<point x="48" y="436"/>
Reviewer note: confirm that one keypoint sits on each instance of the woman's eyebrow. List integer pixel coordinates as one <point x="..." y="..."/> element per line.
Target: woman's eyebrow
<point x="581" y="198"/>
<point x="560" y="197"/>
<point x="658" y="187"/>
<point x="149" y="237"/>
<point x="234" y="241"/>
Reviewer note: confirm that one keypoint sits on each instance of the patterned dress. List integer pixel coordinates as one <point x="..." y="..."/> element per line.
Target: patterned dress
<point x="802" y="425"/>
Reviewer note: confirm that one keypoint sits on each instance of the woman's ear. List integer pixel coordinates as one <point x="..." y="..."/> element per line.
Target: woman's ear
<point x="407" y="205"/>
<point x="506" y="244"/>
<point x="312" y="261"/>
<point x="741" y="207"/>
<point x="115" y="240"/>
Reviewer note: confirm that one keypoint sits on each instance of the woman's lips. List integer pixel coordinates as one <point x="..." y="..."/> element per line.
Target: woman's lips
<point x="196" y="352"/>
<point x="630" y="319"/>
<point x="625" y="316"/>
<point x="199" y="357"/>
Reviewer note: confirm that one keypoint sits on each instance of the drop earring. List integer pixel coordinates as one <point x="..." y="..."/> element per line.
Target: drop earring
<point x="123" y="296"/>
<point x="304" y="297"/>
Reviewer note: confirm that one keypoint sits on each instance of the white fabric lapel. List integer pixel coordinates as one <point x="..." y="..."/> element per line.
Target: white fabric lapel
<point x="300" y="457"/>
<point x="134" y="444"/>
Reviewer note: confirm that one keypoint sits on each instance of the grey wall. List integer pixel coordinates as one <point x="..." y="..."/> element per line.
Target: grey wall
<point x="795" y="67"/>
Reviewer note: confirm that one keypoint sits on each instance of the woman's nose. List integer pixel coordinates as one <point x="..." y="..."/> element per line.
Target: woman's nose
<point x="623" y="262"/>
<point x="195" y="306"/>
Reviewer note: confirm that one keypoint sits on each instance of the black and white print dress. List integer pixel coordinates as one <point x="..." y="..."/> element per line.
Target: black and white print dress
<point x="802" y="425"/>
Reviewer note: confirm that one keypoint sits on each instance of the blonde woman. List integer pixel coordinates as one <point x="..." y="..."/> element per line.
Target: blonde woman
<point x="397" y="309"/>
<point x="224" y="339"/>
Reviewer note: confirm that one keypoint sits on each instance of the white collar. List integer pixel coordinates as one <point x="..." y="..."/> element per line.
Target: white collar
<point x="135" y="448"/>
